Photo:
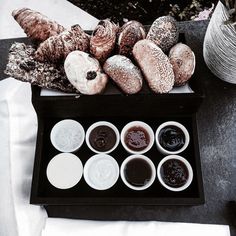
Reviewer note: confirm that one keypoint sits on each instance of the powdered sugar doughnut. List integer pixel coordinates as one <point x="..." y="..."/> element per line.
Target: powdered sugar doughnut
<point x="124" y="73"/>
<point x="183" y="61"/>
<point x="84" y="72"/>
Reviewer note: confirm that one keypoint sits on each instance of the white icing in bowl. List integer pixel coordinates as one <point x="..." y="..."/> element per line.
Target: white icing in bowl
<point x="67" y="135"/>
<point x="64" y="170"/>
<point x="101" y="171"/>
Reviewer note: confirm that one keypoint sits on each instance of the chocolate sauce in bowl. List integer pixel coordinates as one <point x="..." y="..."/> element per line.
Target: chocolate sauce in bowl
<point x="174" y="173"/>
<point x="137" y="138"/>
<point x="102" y="138"/>
<point x="138" y="172"/>
<point x="171" y="138"/>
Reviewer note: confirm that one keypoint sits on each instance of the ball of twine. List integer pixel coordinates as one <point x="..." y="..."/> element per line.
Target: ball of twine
<point x="219" y="49"/>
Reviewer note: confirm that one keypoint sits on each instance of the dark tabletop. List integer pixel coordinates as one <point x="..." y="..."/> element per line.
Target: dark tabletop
<point x="217" y="139"/>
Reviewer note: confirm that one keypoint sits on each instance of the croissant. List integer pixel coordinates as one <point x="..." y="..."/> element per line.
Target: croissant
<point x="36" y="25"/>
<point x="57" y="47"/>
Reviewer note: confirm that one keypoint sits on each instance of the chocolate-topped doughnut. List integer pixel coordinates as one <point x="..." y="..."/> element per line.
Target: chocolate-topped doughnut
<point x="130" y="33"/>
<point x="124" y="73"/>
<point x="155" y="66"/>
<point x="103" y="40"/>
<point x="164" y="32"/>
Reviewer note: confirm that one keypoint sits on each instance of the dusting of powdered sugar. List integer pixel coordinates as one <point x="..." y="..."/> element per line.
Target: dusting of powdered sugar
<point x="125" y="74"/>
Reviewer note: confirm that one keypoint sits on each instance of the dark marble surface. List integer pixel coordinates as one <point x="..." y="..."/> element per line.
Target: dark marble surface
<point x="217" y="140"/>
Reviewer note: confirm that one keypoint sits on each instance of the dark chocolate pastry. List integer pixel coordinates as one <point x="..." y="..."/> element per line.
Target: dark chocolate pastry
<point x="164" y="32"/>
<point x="22" y="66"/>
<point x="130" y="33"/>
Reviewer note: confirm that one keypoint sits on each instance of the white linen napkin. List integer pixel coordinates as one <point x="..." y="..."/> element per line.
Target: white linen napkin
<point x="26" y="219"/>
<point x="6" y="201"/>
<point x="65" y="227"/>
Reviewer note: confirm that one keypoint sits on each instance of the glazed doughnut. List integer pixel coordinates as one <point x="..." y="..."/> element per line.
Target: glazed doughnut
<point x="155" y="66"/>
<point x="84" y="73"/>
<point x="124" y="73"/>
<point x="183" y="61"/>
<point x="103" y="40"/>
<point x="130" y="33"/>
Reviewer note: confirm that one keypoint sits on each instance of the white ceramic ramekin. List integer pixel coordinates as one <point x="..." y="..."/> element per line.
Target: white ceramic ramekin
<point x="64" y="170"/>
<point x="189" y="168"/>
<point x="122" y="172"/>
<point x="178" y="125"/>
<point x="101" y="171"/>
<point x="137" y="124"/>
<point x="67" y="135"/>
<point x="101" y="123"/>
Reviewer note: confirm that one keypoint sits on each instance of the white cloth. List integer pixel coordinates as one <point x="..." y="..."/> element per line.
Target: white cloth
<point x="63" y="227"/>
<point x="25" y="219"/>
<point x="7" y="212"/>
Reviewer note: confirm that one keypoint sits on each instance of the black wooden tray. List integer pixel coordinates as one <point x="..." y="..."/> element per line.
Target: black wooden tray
<point x="44" y="193"/>
<point x="118" y="108"/>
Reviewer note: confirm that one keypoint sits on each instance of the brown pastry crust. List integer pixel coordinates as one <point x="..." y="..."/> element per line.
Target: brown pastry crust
<point x="183" y="61"/>
<point x="36" y="25"/>
<point x="130" y="33"/>
<point x="164" y="32"/>
<point x="124" y="73"/>
<point x="155" y="66"/>
<point x="22" y="66"/>
<point x="57" y="47"/>
<point x="103" y="40"/>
